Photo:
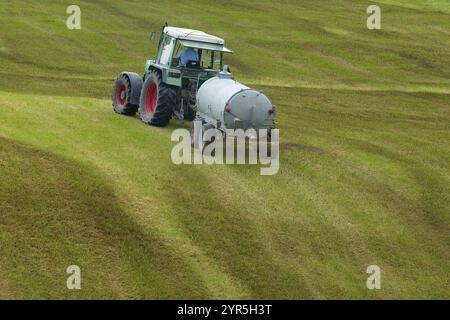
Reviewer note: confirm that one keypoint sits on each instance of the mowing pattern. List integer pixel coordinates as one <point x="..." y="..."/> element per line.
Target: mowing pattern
<point x="364" y="171"/>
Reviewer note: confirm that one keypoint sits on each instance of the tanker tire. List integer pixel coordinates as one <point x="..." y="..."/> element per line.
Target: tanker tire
<point x="157" y="101"/>
<point x="125" y="95"/>
<point x="189" y="114"/>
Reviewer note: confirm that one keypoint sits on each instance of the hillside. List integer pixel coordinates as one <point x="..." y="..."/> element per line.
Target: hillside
<point x="364" y="166"/>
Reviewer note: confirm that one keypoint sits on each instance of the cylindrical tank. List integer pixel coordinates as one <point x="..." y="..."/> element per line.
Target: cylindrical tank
<point x="228" y="104"/>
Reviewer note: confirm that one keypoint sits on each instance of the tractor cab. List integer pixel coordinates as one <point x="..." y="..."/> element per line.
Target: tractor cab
<point x="207" y="52"/>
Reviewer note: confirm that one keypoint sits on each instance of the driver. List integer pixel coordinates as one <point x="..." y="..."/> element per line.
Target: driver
<point x="189" y="54"/>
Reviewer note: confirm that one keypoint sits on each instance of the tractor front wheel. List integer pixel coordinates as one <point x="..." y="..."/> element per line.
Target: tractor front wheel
<point x="126" y="90"/>
<point x="157" y="101"/>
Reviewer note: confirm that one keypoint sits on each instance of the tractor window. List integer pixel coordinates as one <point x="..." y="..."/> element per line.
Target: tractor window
<point x="166" y="50"/>
<point x="178" y="49"/>
<point x="208" y="59"/>
<point x="211" y="60"/>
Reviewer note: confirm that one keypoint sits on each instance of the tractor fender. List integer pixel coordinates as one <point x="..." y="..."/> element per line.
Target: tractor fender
<point x="136" y="86"/>
<point x="161" y="70"/>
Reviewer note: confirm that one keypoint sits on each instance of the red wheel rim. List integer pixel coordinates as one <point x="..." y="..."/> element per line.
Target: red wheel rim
<point x="121" y="96"/>
<point x="150" y="98"/>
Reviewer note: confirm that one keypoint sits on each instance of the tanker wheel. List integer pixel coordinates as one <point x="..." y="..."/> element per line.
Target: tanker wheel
<point x="122" y="96"/>
<point x="189" y="114"/>
<point x="157" y="101"/>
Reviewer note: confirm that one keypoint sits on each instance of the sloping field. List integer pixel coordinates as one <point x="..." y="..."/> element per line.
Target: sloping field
<point x="364" y="159"/>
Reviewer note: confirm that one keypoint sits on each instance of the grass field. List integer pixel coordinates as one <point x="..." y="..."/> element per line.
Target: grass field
<point x="364" y="119"/>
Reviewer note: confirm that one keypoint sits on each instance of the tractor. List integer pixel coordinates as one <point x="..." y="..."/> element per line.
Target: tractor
<point x="201" y="88"/>
<point x="168" y="88"/>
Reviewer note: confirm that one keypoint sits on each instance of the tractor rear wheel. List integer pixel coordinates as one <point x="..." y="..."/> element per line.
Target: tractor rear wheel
<point x="127" y="87"/>
<point x="157" y="100"/>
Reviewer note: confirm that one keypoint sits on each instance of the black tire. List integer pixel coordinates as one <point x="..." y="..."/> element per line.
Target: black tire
<point x="126" y="92"/>
<point x="157" y="100"/>
<point x="189" y="114"/>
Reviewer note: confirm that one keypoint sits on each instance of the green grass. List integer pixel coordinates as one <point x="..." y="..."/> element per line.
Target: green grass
<point x="364" y="169"/>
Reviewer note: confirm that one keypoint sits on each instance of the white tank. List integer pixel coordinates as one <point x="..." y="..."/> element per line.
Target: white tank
<point x="228" y="104"/>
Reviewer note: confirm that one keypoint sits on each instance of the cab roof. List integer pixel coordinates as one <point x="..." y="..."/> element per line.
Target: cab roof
<point x="193" y="35"/>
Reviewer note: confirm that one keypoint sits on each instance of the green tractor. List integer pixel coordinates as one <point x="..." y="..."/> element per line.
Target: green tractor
<point x="169" y="85"/>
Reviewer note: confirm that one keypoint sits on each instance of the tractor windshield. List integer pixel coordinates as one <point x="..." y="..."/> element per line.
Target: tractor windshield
<point x="166" y="48"/>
